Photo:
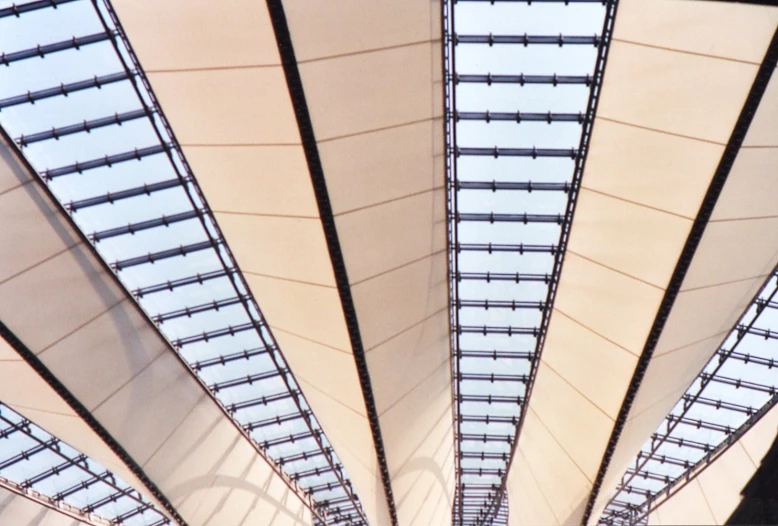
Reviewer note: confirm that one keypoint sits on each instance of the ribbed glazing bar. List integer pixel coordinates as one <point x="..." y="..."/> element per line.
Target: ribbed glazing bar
<point x="63" y="90"/>
<point x="82" y="115"/>
<point x="522" y="79"/>
<point x="33" y="460"/>
<point x="516" y="135"/>
<point x="526" y="40"/>
<point x="518" y="117"/>
<point x="532" y="152"/>
<point x="733" y="391"/>
<point x="81" y="127"/>
<point x="526" y="186"/>
<point x="42" y="51"/>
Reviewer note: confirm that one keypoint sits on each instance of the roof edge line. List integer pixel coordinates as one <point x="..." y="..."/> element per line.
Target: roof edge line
<point x="316" y="170"/>
<point x="743" y="123"/>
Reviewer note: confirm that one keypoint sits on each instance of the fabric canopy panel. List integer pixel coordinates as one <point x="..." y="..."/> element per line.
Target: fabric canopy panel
<point x="371" y="75"/>
<point x="19" y="509"/>
<point x="714" y="494"/>
<point x="669" y="103"/>
<point x="72" y="320"/>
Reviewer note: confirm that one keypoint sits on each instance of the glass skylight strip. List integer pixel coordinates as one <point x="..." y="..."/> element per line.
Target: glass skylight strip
<point x="89" y="123"/>
<point x="522" y="81"/>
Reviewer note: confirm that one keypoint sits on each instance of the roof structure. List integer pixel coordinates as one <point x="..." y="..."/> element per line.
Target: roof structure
<point x="474" y="262"/>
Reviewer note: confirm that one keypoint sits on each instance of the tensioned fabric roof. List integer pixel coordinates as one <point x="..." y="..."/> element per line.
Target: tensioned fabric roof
<point x="333" y="203"/>
<point x="100" y="376"/>
<point x="662" y="260"/>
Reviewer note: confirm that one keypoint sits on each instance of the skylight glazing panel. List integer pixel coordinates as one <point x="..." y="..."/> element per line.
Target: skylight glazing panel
<point x="521" y="80"/>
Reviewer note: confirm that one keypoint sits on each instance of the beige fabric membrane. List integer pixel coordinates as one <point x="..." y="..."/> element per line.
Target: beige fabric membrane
<point x="87" y="331"/>
<point x="671" y="95"/>
<point x="371" y="74"/>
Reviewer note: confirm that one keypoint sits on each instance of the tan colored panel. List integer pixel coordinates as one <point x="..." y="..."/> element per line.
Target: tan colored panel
<point x="599" y="370"/>
<point x="20" y="211"/>
<point x="186" y="34"/>
<point x="134" y="341"/>
<point x="349" y="95"/>
<point x="564" y="487"/>
<point x="701" y="313"/>
<point x="615" y="306"/>
<point x="421" y="462"/>
<point x="689" y="95"/>
<point x="759" y="438"/>
<point x="351" y="438"/>
<point x="723" y="481"/>
<point x="721" y="29"/>
<point x="408" y="230"/>
<point x="19" y="510"/>
<point x="578" y="426"/>
<point x="747" y="192"/>
<point x="397" y="162"/>
<point x="215" y="485"/>
<point x="393" y="303"/>
<point x="227" y="107"/>
<point x="732" y="251"/>
<point x="333" y="371"/>
<point x="691" y="499"/>
<point x="279" y="247"/>
<point x="764" y="130"/>
<point x="310" y="311"/>
<point x="531" y="506"/>
<point x="268" y="180"/>
<point x="424" y="345"/>
<point x="655" y="169"/>
<point x="635" y="240"/>
<point x="359" y="26"/>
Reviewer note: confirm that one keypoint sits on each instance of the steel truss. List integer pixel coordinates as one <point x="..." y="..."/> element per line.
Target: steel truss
<point x="736" y="388"/>
<point x="79" y="104"/>
<point x="513" y="178"/>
